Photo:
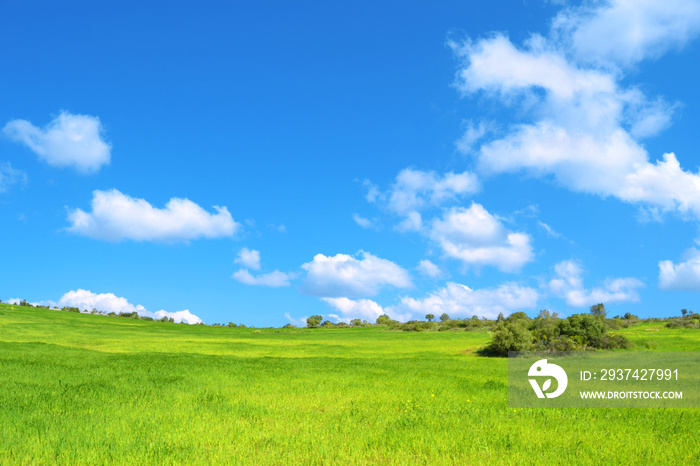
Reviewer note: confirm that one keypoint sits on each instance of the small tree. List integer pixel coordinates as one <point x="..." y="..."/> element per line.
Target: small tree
<point x="684" y="312"/>
<point x="444" y="317"/>
<point x="314" y="321"/>
<point x="598" y="310"/>
<point x="383" y="320"/>
<point x="430" y="317"/>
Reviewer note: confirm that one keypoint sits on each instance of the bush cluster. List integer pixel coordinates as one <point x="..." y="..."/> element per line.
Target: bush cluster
<point x="547" y="332"/>
<point x="688" y="320"/>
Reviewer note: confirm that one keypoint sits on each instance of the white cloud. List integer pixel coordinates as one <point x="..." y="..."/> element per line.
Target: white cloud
<point x="550" y="231"/>
<point x="412" y="222"/>
<point x="472" y="134"/>
<point x="10" y="176"/>
<point x="568" y="284"/>
<point x="579" y="124"/>
<point x="682" y="276"/>
<point x="429" y="269"/>
<point x="248" y="258"/>
<point x="414" y="190"/>
<point x="363" y="222"/>
<point x="116" y="216"/>
<point x="296" y="322"/>
<point x="477" y="238"/>
<point x="624" y="32"/>
<point x="40" y="303"/>
<point x="460" y="301"/>
<point x="496" y="65"/>
<point x="108" y="302"/>
<point x="274" y="279"/>
<point x="67" y="141"/>
<point x="346" y="276"/>
<point x="365" y="309"/>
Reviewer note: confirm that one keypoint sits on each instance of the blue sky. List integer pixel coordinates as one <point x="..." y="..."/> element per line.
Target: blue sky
<point x="261" y="162"/>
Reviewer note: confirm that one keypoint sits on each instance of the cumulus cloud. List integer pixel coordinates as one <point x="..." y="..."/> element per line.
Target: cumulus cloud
<point x="477" y="238"/>
<point x="568" y="284"/>
<point x="682" y="276"/>
<point x="116" y="216"/>
<point x="67" y="141"/>
<point x="108" y="302"/>
<point x="460" y="301"/>
<point x="579" y="124"/>
<point x="343" y="275"/>
<point x="624" y="32"/>
<point x="10" y="176"/>
<point x="274" y="279"/>
<point x="429" y="269"/>
<point x="249" y="258"/>
<point x="415" y="190"/>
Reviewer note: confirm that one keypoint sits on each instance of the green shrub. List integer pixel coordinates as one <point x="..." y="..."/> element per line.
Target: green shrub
<point x="510" y="336"/>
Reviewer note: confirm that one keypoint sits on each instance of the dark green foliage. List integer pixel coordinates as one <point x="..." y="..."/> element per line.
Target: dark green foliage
<point x="430" y="317"/>
<point x="548" y="332"/>
<point x="585" y="329"/>
<point x="313" y="321"/>
<point x="511" y="336"/>
<point x="385" y="320"/>
<point x="444" y="317"/>
<point x="612" y="341"/>
<point x="617" y="323"/>
<point x="690" y="320"/>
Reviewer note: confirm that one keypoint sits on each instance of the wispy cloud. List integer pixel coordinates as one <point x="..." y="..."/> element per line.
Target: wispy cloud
<point x="10" y="176"/>
<point x="275" y="279"/>
<point x="568" y="284"/>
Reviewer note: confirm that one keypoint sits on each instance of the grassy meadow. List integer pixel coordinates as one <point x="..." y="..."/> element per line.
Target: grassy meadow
<point x="86" y="389"/>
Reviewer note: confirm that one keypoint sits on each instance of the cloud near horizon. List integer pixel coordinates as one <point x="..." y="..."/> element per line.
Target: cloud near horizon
<point x="116" y="217"/>
<point x="682" y="276"/>
<point x="343" y="275"/>
<point x="568" y="284"/>
<point x="108" y="302"/>
<point x="460" y="301"/>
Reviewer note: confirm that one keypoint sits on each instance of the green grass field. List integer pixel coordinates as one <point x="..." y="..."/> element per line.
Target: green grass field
<point x="78" y="389"/>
